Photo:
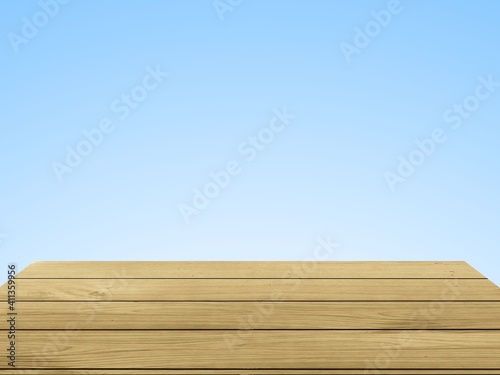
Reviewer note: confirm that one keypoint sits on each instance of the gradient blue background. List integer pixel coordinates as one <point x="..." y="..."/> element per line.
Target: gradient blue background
<point x="323" y="176"/>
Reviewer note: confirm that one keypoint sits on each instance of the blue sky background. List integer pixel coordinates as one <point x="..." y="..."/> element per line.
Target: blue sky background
<point x="322" y="176"/>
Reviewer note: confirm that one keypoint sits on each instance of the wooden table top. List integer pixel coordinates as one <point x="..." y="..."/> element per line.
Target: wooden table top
<point x="330" y="317"/>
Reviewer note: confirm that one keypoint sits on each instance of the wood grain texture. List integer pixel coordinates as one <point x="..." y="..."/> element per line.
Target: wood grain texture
<point x="275" y="270"/>
<point x="257" y="289"/>
<point x="166" y="318"/>
<point x="259" y="349"/>
<point x="257" y="315"/>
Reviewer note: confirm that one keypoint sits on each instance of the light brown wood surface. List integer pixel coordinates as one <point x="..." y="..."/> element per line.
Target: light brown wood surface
<point x="166" y="318"/>
<point x="228" y="270"/>
<point x="260" y="315"/>
<point x="256" y="290"/>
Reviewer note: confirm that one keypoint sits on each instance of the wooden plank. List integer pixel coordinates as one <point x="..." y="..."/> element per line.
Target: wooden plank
<point x="327" y="269"/>
<point x="353" y="332"/>
<point x="252" y="315"/>
<point x="259" y="350"/>
<point x="255" y="289"/>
